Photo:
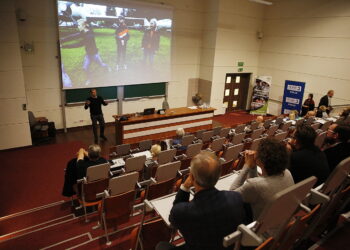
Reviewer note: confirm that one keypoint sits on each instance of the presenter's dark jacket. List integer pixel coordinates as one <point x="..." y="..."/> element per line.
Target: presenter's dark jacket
<point x="208" y="218"/>
<point x="323" y="101"/>
<point x="309" y="162"/>
<point x="95" y="105"/>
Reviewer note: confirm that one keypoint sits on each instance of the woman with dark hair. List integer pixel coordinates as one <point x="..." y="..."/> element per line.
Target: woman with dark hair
<point x="309" y="105"/>
<point x="272" y="158"/>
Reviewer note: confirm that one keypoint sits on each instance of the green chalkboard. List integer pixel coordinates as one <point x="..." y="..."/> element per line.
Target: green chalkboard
<point x="142" y="90"/>
<point x="80" y="95"/>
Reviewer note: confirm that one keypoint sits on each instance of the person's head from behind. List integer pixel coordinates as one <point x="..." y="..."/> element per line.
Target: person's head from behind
<point x="331" y="136"/>
<point x="259" y="119"/>
<point x="345" y="113"/>
<point x="94" y="152"/>
<point x="155" y="150"/>
<point x="330" y="93"/>
<point x="272" y="156"/>
<point x="180" y="132"/>
<point x="311" y="96"/>
<point x="205" y="170"/>
<point x="310" y="114"/>
<point x="305" y="137"/>
<point x="93" y="93"/>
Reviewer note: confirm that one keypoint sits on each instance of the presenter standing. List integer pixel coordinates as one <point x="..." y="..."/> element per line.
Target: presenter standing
<point x="326" y="101"/>
<point x="94" y="102"/>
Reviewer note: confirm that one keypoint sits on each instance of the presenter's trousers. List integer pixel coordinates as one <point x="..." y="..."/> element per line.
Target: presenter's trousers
<point x="101" y="121"/>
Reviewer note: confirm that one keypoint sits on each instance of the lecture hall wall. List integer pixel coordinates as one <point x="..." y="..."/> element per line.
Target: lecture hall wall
<point x="302" y="40"/>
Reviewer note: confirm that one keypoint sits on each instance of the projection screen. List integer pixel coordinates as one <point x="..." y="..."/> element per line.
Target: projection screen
<point x="119" y="43"/>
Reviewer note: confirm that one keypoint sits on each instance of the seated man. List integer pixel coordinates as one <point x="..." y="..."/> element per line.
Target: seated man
<point x="306" y="159"/>
<point x="180" y="132"/>
<point x="272" y="158"/>
<point x="259" y="120"/>
<point x="338" y="136"/>
<point x="211" y="215"/>
<point x="93" y="158"/>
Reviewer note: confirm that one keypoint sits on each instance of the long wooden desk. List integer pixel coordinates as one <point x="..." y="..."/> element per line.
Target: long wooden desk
<point x="156" y="126"/>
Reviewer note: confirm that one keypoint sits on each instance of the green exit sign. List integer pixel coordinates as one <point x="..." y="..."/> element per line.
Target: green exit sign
<point x="240" y="64"/>
<point x="240" y="69"/>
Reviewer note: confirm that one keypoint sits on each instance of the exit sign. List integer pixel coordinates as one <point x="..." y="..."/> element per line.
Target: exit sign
<point x="240" y="69"/>
<point x="240" y="64"/>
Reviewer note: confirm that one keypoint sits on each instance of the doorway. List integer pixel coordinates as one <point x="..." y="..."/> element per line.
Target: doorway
<point x="236" y="91"/>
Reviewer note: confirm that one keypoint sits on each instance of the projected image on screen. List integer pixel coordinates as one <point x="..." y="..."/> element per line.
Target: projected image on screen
<point x="112" y="45"/>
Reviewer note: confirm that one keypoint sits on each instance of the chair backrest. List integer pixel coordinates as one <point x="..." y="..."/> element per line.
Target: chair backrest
<point x="193" y="149"/>
<point x="267" y="123"/>
<point x="122" y="149"/>
<point x="337" y="177"/>
<point x="207" y="135"/>
<point x="217" y="130"/>
<point x="166" y="156"/>
<point x="239" y="128"/>
<point x="145" y="145"/>
<point x="255" y="144"/>
<point x="278" y="120"/>
<point x="185" y="163"/>
<point x="123" y="183"/>
<point x="299" y="122"/>
<point x="119" y="207"/>
<point x="326" y="125"/>
<point x="315" y="125"/>
<point x="224" y="132"/>
<point x="167" y="171"/>
<point x="216" y="144"/>
<point x="135" y="163"/>
<point x="160" y="189"/>
<point x="272" y="129"/>
<point x="97" y="172"/>
<point x="320" y="139"/>
<point x="199" y="133"/>
<point x="150" y="239"/>
<point x="254" y="125"/>
<point x="237" y="138"/>
<point x="187" y="140"/>
<point x="92" y="188"/>
<point x="256" y="133"/>
<point x="285" y="126"/>
<point x="281" y="136"/>
<point x="277" y="213"/>
<point x="231" y="153"/>
<point x="226" y="167"/>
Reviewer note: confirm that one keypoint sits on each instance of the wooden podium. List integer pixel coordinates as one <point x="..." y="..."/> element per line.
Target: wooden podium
<point x="157" y="126"/>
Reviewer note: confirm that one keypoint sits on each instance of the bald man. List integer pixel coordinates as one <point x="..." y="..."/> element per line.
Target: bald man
<point x="327" y="101"/>
<point x="211" y="215"/>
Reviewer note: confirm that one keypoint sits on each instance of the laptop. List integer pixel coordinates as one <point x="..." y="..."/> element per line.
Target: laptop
<point x="149" y="111"/>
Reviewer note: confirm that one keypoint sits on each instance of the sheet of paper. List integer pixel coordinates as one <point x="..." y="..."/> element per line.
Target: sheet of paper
<point x="224" y="183"/>
<point x="118" y="162"/>
<point x="228" y="79"/>
<point x="146" y="153"/>
<point x="193" y="107"/>
<point x="163" y="206"/>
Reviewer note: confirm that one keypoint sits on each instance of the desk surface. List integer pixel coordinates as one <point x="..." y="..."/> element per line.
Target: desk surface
<point x="169" y="113"/>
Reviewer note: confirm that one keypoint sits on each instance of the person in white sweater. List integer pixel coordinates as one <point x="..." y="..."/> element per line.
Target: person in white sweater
<point x="272" y="158"/>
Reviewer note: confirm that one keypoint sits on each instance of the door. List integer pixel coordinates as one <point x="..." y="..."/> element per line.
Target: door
<point x="236" y="91"/>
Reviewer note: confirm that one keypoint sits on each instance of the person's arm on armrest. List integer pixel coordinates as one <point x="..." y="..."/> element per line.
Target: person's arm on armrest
<point x="249" y="170"/>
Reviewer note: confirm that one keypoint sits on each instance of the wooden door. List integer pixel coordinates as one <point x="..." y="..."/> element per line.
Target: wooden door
<point x="236" y="91"/>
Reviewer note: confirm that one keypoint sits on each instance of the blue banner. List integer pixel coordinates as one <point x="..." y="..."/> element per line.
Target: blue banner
<point x="293" y="96"/>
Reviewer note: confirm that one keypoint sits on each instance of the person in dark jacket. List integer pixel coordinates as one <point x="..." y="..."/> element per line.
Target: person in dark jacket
<point x="150" y="42"/>
<point x="211" y="214"/>
<point x="306" y="159"/>
<point x="327" y="101"/>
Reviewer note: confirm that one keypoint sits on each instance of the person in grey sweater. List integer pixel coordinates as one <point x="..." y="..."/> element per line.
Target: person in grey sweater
<point x="272" y="158"/>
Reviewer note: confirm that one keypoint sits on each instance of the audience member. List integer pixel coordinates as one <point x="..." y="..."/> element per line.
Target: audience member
<point x="180" y="132"/>
<point x="310" y="114"/>
<point x="339" y="146"/>
<point x="306" y="159"/>
<point x="272" y="158"/>
<point x="88" y="158"/>
<point x="260" y="120"/>
<point x="345" y="114"/>
<point x="155" y="150"/>
<point x="211" y="214"/>
<point x="309" y="105"/>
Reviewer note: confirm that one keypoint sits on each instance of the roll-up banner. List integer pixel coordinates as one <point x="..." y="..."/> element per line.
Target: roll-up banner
<point x="260" y="97"/>
<point x="293" y="96"/>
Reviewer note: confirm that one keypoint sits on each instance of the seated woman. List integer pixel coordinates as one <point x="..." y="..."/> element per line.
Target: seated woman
<point x="151" y="168"/>
<point x="272" y="158"/>
<point x="180" y="132"/>
<point x="309" y="105"/>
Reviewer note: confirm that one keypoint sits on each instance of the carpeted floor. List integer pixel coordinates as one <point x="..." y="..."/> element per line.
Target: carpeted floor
<point x="33" y="177"/>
